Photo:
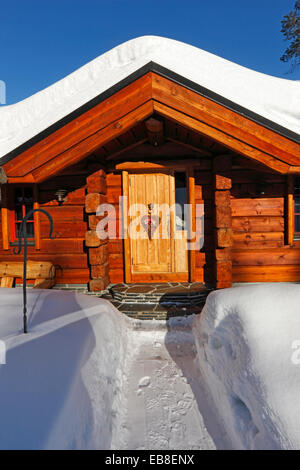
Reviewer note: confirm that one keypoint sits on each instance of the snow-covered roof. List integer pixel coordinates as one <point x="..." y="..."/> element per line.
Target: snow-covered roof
<point x="275" y="99"/>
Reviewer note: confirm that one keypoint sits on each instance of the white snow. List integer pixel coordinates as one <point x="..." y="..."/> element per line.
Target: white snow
<point x="88" y="377"/>
<point x="245" y="341"/>
<point x="60" y="386"/>
<point x="273" y="98"/>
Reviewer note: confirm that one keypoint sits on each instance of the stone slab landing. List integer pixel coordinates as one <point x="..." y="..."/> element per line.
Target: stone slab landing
<point x="158" y="301"/>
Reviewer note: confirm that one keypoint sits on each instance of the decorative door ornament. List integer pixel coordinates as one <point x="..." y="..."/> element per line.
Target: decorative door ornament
<point x="150" y="222"/>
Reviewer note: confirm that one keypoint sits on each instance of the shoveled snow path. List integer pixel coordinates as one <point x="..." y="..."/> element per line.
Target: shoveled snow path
<point x="162" y="392"/>
<point x="88" y="377"/>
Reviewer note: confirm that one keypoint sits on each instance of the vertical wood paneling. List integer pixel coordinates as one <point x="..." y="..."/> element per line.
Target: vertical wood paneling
<point x="5" y="217"/>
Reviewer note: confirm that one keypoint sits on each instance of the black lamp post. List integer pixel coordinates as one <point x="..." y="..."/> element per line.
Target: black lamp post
<point x="23" y="234"/>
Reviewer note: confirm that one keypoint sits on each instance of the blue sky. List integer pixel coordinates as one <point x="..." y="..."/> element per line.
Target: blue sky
<point x="42" y="41"/>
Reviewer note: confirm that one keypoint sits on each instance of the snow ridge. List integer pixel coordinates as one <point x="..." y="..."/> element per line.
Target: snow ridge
<point x="275" y="99"/>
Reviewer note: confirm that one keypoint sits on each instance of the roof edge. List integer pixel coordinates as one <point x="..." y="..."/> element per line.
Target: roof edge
<point x="166" y="73"/>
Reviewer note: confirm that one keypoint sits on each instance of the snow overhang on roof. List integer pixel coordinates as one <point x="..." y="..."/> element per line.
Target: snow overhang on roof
<point x="270" y="101"/>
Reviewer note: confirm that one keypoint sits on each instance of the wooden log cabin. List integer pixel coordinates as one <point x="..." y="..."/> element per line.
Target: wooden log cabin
<point x="133" y="123"/>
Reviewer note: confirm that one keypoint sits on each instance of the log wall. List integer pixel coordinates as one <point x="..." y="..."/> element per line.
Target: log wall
<point x="67" y="252"/>
<point x="115" y="246"/>
<point x="204" y="264"/>
<point x="96" y="246"/>
<point x="260" y="252"/>
<point x="259" y="247"/>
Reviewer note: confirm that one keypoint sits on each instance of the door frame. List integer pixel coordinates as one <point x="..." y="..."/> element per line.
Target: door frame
<point x="145" y="167"/>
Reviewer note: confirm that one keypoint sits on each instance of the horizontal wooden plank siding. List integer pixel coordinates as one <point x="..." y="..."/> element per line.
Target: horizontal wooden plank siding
<point x="67" y="251"/>
<point x="283" y="273"/>
<point x="266" y="256"/>
<point x="259" y="252"/>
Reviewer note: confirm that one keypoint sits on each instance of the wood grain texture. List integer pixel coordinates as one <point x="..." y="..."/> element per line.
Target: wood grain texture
<point x="91" y="143"/>
<point x="5" y="216"/>
<point x="217" y="116"/>
<point x="228" y="141"/>
<point x="86" y="125"/>
<point x="289" y="218"/>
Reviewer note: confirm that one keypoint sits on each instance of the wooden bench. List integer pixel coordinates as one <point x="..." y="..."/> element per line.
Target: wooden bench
<point x="42" y="272"/>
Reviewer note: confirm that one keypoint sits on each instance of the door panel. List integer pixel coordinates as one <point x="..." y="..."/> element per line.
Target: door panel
<point x="155" y="251"/>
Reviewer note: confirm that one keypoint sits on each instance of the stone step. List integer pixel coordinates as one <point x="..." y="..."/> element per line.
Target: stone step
<point x="181" y="294"/>
<point x="158" y="301"/>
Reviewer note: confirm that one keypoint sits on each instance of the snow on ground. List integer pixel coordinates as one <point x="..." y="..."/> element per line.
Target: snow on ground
<point x="245" y="340"/>
<point x="60" y="387"/>
<point x="273" y="98"/>
<point x="87" y="377"/>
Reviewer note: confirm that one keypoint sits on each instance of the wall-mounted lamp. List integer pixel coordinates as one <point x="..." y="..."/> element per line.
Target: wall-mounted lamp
<point x="60" y="195"/>
<point x="261" y="188"/>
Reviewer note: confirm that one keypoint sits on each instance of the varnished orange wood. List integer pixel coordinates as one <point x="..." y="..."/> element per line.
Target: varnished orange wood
<point x="127" y="251"/>
<point x="229" y="141"/>
<point x="281" y="273"/>
<point x="151" y="255"/>
<point x="145" y="257"/>
<point x="5" y="217"/>
<point x="266" y="256"/>
<point x="37" y="225"/>
<point x="164" y="277"/>
<point x="225" y="120"/>
<point x="258" y="240"/>
<point x="76" y="139"/>
<point x="85" y="147"/>
<point x="89" y="123"/>
<point x="290" y="209"/>
<point x="181" y="165"/>
<point x="7" y="281"/>
<point x="192" y="221"/>
<point x="21" y="179"/>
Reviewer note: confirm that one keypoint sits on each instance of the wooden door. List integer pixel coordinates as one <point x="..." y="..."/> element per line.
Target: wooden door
<point x="156" y="251"/>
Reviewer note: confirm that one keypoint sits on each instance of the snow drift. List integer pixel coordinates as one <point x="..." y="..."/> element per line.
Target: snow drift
<point x="273" y="98"/>
<point x="60" y="386"/>
<point x="245" y="341"/>
<point x="87" y="377"/>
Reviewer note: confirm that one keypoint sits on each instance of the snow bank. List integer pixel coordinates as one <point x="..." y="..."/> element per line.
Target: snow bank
<point x="87" y="377"/>
<point x="273" y="98"/>
<point x="60" y="387"/>
<point x="245" y="340"/>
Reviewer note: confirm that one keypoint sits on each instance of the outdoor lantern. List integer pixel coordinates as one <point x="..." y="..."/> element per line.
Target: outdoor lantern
<point x="261" y="188"/>
<point x="61" y="195"/>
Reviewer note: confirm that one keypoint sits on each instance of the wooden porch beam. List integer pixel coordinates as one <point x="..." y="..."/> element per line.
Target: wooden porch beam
<point x="221" y="137"/>
<point x="223" y="119"/>
<point x="21" y="179"/>
<point x="114" y="155"/>
<point x="222" y="220"/>
<point x="203" y="153"/>
<point x="84" y="126"/>
<point x="88" y="145"/>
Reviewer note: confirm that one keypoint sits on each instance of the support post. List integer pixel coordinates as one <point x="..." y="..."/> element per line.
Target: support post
<point x="222" y="221"/>
<point x="97" y="249"/>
